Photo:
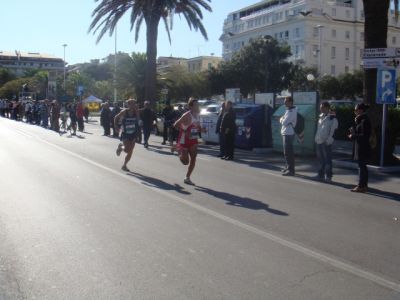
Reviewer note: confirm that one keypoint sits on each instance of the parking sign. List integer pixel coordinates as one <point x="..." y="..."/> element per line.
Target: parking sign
<point x="386" y="86"/>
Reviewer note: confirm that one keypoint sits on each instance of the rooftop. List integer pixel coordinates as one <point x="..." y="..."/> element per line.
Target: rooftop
<point x="22" y="54"/>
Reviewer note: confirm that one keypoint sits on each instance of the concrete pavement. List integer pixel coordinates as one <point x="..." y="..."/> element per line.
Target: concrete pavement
<point x="76" y="227"/>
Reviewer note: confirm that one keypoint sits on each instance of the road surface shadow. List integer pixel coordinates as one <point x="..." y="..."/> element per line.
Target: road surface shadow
<point x="160" y="184"/>
<point x="160" y="150"/>
<point x="238" y="201"/>
<point x="371" y="191"/>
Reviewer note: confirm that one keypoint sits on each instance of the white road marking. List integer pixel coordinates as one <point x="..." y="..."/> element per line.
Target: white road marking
<point x="291" y="178"/>
<point x="335" y="262"/>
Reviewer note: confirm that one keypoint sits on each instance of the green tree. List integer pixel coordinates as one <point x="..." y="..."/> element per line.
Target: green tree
<point x="6" y="76"/>
<point x="73" y="81"/>
<point x="351" y="84"/>
<point x="131" y="74"/>
<point x="261" y="66"/>
<point x="183" y="84"/>
<point x="12" y="88"/>
<point x="108" y="12"/>
<point x="103" y="89"/>
<point x="299" y="81"/>
<point x="329" y="87"/>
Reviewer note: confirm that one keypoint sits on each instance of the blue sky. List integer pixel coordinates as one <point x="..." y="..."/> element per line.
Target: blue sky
<point x="44" y="25"/>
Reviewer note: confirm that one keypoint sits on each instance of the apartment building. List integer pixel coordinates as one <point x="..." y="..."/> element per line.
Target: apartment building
<point x="325" y="34"/>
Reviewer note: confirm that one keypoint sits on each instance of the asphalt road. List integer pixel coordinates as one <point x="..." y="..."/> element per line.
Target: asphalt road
<point x="74" y="226"/>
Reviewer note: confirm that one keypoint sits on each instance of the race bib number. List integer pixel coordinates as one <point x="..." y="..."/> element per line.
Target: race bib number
<point x="194" y="134"/>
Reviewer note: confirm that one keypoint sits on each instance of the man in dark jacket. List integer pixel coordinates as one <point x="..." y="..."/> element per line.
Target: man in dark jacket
<point x="169" y="116"/>
<point x="147" y="115"/>
<point x="115" y="111"/>
<point x="228" y="129"/>
<point x="105" y="119"/>
<point x="218" y="131"/>
<point x="360" y="133"/>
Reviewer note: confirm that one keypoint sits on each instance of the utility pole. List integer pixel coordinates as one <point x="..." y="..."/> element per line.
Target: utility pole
<point x="65" y="45"/>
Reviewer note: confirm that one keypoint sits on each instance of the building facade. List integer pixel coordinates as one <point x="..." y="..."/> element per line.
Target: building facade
<point x="19" y="62"/>
<point x="193" y="65"/>
<point x="325" y="34"/>
<point x="203" y="63"/>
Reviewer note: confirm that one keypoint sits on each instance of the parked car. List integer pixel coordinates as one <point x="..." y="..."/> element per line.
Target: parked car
<point x="213" y="108"/>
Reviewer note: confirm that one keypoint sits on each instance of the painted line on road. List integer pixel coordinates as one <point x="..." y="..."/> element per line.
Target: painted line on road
<point x="335" y="262"/>
<point x="290" y="178"/>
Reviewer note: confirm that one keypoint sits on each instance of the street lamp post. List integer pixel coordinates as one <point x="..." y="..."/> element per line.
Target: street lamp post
<point x="320" y="27"/>
<point x="115" y="67"/>
<point x="65" y="45"/>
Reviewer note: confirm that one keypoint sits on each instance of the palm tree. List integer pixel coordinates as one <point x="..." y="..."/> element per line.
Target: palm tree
<point x="107" y="14"/>
<point x="376" y="28"/>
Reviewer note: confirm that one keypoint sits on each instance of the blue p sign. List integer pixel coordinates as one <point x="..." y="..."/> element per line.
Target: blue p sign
<point x="386" y="87"/>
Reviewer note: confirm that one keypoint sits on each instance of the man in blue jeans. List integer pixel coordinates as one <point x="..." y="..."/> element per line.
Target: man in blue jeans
<point x="288" y="122"/>
<point x="327" y="124"/>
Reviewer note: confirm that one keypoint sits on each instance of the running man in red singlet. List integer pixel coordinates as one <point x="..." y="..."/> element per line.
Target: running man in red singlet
<point x="189" y="132"/>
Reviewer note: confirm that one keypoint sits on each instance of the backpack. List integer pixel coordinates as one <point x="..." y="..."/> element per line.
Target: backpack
<point x="299" y="128"/>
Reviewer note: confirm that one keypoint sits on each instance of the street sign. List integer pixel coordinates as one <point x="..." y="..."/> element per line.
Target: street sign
<point x="370" y="53"/>
<point x="386" y="86"/>
<point x="374" y="58"/>
<point x="79" y="90"/>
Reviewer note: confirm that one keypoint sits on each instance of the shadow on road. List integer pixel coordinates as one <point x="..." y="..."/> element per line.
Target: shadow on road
<point x="371" y="191"/>
<point x="238" y="201"/>
<point x="160" y="184"/>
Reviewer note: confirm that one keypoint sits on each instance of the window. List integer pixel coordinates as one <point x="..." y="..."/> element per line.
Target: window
<point x="334" y="33"/>
<point x="333" y="12"/>
<point x="276" y="36"/>
<point x="347" y="53"/>
<point x="361" y="36"/>
<point x="362" y="14"/>
<point x="394" y="40"/>
<point x="347" y="13"/>
<point x="315" y="50"/>
<point x="296" y="51"/>
<point x="333" y="70"/>
<point x="315" y="33"/>
<point x="297" y="32"/>
<point x="333" y="52"/>
<point x="347" y="35"/>
<point x="209" y="66"/>
<point x="346" y="69"/>
<point x="281" y="15"/>
<point x="286" y="34"/>
<point x="250" y="24"/>
<point x="361" y="53"/>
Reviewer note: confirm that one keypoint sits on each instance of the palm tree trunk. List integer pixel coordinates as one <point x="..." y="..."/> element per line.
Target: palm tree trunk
<point x="375" y="28"/>
<point x="151" y="66"/>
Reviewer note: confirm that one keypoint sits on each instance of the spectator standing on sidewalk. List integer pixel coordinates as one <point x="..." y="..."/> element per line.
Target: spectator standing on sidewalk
<point x="327" y="124"/>
<point x="115" y="111"/>
<point x="86" y="112"/>
<point x="148" y="117"/>
<point x="80" y="114"/>
<point x="228" y="130"/>
<point x="288" y="122"/>
<point x="218" y="131"/>
<point x="360" y="133"/>
<point x="105" y="119"/>
<point x="169" y="116"/>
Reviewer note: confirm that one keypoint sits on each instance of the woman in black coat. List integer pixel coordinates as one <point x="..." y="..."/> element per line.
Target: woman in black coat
<point x="360" y="133"/>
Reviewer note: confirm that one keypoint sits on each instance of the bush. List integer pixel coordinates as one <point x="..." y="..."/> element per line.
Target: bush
<point x="345" y="116"/>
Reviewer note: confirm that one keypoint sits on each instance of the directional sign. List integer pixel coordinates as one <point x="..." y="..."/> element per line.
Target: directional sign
<point x="370" y="53"/>
<point x="386" y="86"/>
<point x="80" y="89"/>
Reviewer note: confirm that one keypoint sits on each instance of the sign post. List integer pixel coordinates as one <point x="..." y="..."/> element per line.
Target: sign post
<point x="386" y="94"/>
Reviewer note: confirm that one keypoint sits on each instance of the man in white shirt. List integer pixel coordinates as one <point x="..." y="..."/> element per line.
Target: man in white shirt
<point x="288" y="122"/>
<point x="327" y="124"/>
